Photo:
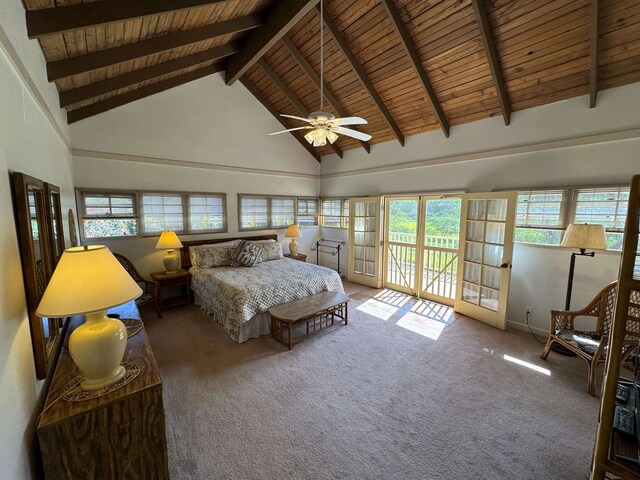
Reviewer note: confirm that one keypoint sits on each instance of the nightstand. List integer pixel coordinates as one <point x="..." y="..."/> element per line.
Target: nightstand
<point x="300" y="257"/>
<point x="181" y="279"/>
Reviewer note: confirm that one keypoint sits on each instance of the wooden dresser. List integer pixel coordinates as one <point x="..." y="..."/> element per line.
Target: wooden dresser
<point x="120" y="435"/>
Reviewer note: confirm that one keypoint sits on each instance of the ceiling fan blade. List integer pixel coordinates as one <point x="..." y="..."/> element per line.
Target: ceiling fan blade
<point x="352" y="133"/>
<point x="349" y="121"/>
<point x="294" y="117"/>
<point x="290" y="130"/>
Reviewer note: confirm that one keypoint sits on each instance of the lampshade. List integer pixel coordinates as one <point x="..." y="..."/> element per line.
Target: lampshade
<point x="586" y="236"/>
<point x="168" y="240"/>
<point x="293" y="231"/>
<point x="87" y="279"/>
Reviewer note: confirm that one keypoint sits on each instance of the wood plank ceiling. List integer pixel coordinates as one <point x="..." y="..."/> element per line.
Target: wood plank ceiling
<point x="407" y="66"/>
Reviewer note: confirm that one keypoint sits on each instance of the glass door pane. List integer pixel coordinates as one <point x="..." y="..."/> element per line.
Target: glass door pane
<point x="364" y="236"/>
<point x="488" y="244"/>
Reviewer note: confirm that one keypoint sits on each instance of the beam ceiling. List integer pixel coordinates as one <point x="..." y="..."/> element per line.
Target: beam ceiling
<point x="49" y="21"/>
<point x="407" y="66"/>
<point x="284" y="16"/>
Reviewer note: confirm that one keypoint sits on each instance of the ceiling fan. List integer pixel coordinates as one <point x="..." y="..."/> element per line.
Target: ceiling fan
<point x="323" y="125"/>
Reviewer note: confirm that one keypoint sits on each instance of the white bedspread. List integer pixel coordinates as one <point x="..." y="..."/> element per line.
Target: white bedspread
<point x="234" y="295"/>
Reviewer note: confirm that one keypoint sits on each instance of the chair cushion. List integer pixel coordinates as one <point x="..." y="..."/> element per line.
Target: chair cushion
<point x="586" y="341"/>
<point x="144" y="298"/>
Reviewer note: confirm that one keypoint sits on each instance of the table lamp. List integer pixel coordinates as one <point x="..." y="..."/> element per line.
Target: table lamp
<point x="582" y="236"/>
<point x="87" y="281"/>
<point x="169" y="241"/>
<point x="293" y="231"/>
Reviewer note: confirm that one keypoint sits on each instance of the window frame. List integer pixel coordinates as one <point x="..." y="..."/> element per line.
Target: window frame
<point x="138" y="209"/>
<point x="269" y="198"/>
<point x="568" y="209"/>
<point x="344" y="219"/>
<point x="316" y="216"/>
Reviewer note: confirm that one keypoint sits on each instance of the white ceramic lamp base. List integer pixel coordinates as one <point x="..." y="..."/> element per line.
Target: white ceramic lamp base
<point x="97" y="347"/>
<point x="171" y="262"/>
<point x="293" y="247"/>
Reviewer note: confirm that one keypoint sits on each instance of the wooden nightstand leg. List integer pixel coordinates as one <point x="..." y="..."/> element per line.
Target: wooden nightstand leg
<point x="158" y="301"/>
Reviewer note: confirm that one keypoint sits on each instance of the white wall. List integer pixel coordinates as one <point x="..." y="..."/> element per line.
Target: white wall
<point x="33" y="140"/>
<point x="202" y="136"/>
<point x="561" y="144"/>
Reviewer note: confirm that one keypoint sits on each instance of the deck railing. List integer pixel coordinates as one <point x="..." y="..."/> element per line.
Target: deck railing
<point x="440" y="259"/>
<point x="430" y="240"/>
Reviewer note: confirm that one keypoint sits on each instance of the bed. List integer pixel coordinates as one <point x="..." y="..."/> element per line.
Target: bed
<point x="239" y="297"/>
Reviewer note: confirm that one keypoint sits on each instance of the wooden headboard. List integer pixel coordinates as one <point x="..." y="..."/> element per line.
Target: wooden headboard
<point x="185" y="257"/>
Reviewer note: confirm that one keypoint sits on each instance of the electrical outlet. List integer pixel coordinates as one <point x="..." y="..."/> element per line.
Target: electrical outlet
<point x="527" y="310"/>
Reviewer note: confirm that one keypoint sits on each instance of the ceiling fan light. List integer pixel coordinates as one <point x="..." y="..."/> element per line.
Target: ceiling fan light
<point x="331" y="136"/>
<point x="321" y="137"/>
<point x="311" y="136"/>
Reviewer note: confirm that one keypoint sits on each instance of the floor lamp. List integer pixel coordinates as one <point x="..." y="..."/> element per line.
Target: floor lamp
<point x="584" y="237"/>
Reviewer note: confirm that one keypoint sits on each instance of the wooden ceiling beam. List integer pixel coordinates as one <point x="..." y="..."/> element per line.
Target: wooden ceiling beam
<point x="416" y="63"/>
<point x="142" y="92"/>
<point x="49" y="21"/>
<point x="149" y="73"/>
<point x="261" y="98"/>
<point x="299" y="58"/>
<point x="362" y="75"/>
<point x="112" y="56"/>
<point x="299" y="106"/>
<point x="593" y="53"/>
<point x="492" y="56"/>
<point x="281" y="19"/>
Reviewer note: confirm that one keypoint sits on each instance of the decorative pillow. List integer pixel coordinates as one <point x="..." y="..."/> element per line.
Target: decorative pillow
<point x="215" y="255"/>
<point x="270" y="251"/>
<point x="247" y="254"/>
<point x="207" y="257"/>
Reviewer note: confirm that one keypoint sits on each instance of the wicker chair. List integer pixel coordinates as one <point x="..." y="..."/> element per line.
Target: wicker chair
<point x="592" y="345"/>
<point x="149" y="289"/>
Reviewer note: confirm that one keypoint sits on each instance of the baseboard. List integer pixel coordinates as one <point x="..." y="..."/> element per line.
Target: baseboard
<point x="523" y="326"/>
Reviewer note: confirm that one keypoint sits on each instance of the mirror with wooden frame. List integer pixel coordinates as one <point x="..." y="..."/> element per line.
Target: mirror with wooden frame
<point x="39" y="222"/>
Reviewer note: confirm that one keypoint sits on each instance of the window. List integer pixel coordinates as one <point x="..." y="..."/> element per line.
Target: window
<point x="307" y="212"/>
<point x="335" y="212"/>
<point x="162" y="211"/>
<point x="207" y="213"/>
<point x="540" y="216"/>
<point x="122" y="214"/>
<point x="605" y="206"/>
<point x="105" y="215"/>
<point x="254" y="212"/>
<point x="261" y="212"/>
<point x="283" y="212"/>
<point x="543" y="215"/>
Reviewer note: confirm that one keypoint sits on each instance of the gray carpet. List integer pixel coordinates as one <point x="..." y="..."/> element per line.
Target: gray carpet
<point x="371" y="400"/>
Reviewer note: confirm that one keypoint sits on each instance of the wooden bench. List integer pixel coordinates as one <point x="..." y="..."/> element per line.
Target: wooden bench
<point x="319" y="311"/>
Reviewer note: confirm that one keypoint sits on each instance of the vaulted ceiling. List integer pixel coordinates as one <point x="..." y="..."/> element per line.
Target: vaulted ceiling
<point x="407" y="66"/>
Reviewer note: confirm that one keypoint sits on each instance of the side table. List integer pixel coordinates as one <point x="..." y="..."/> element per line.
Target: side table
<point x="300" y="257"/>
<point x="181" y="279"/>
<point x="117" y="435"/>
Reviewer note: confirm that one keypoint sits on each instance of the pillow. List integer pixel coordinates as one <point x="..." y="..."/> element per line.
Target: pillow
<point x="214" y="255"/>
<point x="247" y="254"/>
<point x="207" y="257"/>
<point x="271" y="240"/>
<point x="270" y="251"/>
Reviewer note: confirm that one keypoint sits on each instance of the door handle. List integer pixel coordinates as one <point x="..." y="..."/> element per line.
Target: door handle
<point x="506" y="265"/>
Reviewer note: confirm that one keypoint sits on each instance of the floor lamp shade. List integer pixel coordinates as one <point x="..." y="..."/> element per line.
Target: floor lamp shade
<point x="585" y="236"/>
<point x="293" y="231"/>
<point x="169" y="241"/>
<point x="87" y="281"/>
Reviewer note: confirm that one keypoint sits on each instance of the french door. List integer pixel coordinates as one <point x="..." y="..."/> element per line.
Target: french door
<point x="364" y="241"/>
<point x="421" y="246"/>
<point x="484" y="272"/>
